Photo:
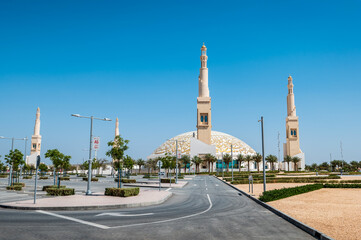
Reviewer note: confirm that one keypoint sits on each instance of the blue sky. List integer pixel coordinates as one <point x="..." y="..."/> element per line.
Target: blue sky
<point x="139" y="61"/>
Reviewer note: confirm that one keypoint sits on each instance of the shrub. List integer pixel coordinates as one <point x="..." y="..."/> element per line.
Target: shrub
<point x="121" y="192"/>
<point x="60" y="191"/>
<point x="125" y="180"/>
<point x="93" y="179"/>
<point x="43" y="177"/>
<point x="166" y="180"/>
<point x="51" y="186"/>
<point x="342" y="185"/>
<point x="82" y="175"/>
<point x="98" y="176"/>
<point x="19" y="184"/>
<point x="288" y="192"/>
<point x="64" y="178"/>
<point x="27" y="177"/>
<point x="3" y="176"/>
<point x="14" y="187"/>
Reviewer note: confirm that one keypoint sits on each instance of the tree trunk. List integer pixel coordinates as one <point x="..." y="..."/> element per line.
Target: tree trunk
<point x="288" y="166"/>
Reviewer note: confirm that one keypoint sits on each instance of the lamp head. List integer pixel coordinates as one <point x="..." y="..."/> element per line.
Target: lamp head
<point x="75" y="115"/>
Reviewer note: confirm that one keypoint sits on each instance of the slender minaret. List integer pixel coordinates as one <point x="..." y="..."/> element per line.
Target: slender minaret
<point x="292" y="146"/>
<point x="36" y="138"/>
<point x="204" y="125"/>
<point x="116" y="127"/>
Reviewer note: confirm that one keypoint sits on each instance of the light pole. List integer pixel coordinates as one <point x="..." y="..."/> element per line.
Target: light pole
<point x="264" y="167"/>
<point x="232" y="160"/>
<point x="88" y="192"/>
<point x="176" y="154"/>
<point x="12" y="149"/>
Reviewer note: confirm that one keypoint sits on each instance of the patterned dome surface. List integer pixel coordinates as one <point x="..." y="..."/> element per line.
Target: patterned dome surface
<point x="222" y="141"/>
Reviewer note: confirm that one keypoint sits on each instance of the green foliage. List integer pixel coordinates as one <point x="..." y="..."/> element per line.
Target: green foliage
<point x="58" y="159"/>
<point x="60" y="191"/>
<point x="121" y="192"/>
<point x="128" y="162"/>
<point x="287" y="180"/>
<point x="64" y="178"/>
<point x="14" y="187"/>
<point x="118" y="147"/>
<point x="342" y="185"/>
<point x="197" y="161"/>
<point x="43" y="178"/>
<point x="140" y="162"/>
<point x="98" y="176"/>
<point x="93" y="179"/>
<point x="51" y="186"/>
<point x="15" y="158"/>
<point x="258" y="159"/>
<point x="272" y="159"/>
<point x="3" y="176"/>
<point x="19" y="184"/>
<point x="166" y="180"/>
<point x="27" y="177"/>
<point x="288" y="192"/>
<point x="43" y="167"/>
<point x="124" y="180"/>
<point x="82" y="175"/>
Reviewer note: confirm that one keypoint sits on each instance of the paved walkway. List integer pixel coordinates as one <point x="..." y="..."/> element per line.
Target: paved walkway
<point x="95" y="201"/>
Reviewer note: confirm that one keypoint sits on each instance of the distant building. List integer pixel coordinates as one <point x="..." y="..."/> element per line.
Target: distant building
<point x="35" y="141"/>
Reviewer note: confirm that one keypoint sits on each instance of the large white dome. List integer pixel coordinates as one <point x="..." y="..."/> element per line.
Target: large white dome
<point x="222" y="141"/>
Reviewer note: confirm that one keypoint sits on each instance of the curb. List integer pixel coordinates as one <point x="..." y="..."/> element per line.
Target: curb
<point x="97" y="207"/>
<point x="145" y="185"/>
<point x="313" y="232"/>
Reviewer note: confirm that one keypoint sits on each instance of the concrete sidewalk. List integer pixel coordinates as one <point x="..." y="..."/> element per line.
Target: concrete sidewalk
<point x="92" y="202"/>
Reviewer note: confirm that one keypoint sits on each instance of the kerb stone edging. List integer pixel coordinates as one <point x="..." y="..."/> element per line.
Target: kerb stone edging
<point x="97" y="207"/>
<point x="313" y="232"/>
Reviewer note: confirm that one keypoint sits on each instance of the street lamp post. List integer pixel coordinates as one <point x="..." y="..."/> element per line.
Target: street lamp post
<point x="12" y="149"/>
<point x="232" y="160"/>
<point x="263" y="160"/>
<point x="88" y="191"/>
<point x="176" y="154"/>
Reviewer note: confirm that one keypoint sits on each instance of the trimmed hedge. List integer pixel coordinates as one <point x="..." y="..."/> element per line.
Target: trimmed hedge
<point x="289" y="180"/>
<point x="166" y="180"/>
<point x="19" y="184"/>
<point x="277" y="194"/>
<point x="3" y="176"/>
<point x="82" y="175"/>
<point x="60" y="191"/>
<point x="64" y="178"/>
<point x="27" y="177"/>
<point x="43" y="177"/>
<point x="98" y="176"/>
<point x="342" y="185"/>
<point x="52" y="186"/>
<point x="121" y="192"/>
<point x="14" y="187"/>
<point x="125" y="180"/>
<point x="93" y="179"/>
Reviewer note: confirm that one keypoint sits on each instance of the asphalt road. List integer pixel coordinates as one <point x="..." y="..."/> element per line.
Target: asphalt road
<point x="205" y="209"/>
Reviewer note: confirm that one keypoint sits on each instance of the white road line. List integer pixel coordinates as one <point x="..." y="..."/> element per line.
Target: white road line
<point x="206" y="189"/>
<point x="217" y="185"/>
<point x="124" y="214"/>
<point x="195" y="185"/>
<point x="74" y="219"/>
<point x="170" y="220"/>
<point x="168" y="189"/>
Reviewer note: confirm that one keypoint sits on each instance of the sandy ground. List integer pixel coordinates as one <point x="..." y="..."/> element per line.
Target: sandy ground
<point x="335" y="212"/>
<point x="258" y="188"/>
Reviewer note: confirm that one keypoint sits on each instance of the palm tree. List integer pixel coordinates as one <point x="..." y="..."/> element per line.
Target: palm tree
<point x="208" y="158"/>
<point x="248" y="160"/>
<point x="213" y="160"/>
<point x="295" y="160"/>
<point x="240" y="158"/>
<point x="197" y="161"/>
<point x="227" y="159"/>
<point x="257" y="158"/>
<point x="272" y="159"/>
<point x="288" y="159"/>
<point x="140" y="163"/>
<point x="185" y="159"/>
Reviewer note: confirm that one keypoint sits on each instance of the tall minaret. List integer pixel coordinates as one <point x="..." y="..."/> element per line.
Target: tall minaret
<point x="116" y="127"/>
<point x="292" y="146"/>
<point x="204" y="125"/>
<point x="36" y="138"/>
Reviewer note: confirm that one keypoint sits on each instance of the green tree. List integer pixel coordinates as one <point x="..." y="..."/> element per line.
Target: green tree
<point x="43" y="168"/>
<point x="324" y="166"/>
<point x="208" y="158"/>
<point x="197" y="161"/>
<point x="128" y="163"/>
<point x="140" y="163"/>
<point x="118" y="147"/>
<point x="240" y="158"/>
<point x="213" y="160"/>
<point x="271" y="159"/>
<point x="185" y="159"/>
<point x="227" y="159"/>
<point x="354" y="166"/>
<point x="295" y="161"/>
<point x="14" y="158"/>
<point x="59" y="160"/>
<point x="287" y="160"/>
<point x="258" y="159"/>
<point x="248" y="160"/>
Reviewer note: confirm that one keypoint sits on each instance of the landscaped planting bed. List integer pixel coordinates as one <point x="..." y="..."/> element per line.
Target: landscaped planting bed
<point x="166" y="180"/>
<point x="60" y="191"/>
<point x="3" y="176"/>
<point x="125" y="180"/>
<point x="52" y="186"/>
<point x="27" y="177"/>
<point x="14" y="187"/>
<point x="64" y="178"/>
<point x="121" y="192"/>
<point x="288" y="192"/>
<point x="93" y="179"/>
<point x="43" y="178"/>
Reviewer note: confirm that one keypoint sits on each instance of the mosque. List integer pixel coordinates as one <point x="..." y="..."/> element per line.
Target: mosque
<point x="206" y="141"/>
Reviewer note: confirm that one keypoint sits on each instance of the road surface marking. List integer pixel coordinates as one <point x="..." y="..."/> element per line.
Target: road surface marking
<point x="74" y="219"/>
<point x="195" y="185"/>
<point x="170" y="220"/>
<point x="206" y="189"/>
<point x="124" y="214"/>
<point x="217" y="185"/>
<point x="168" y="189"/>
